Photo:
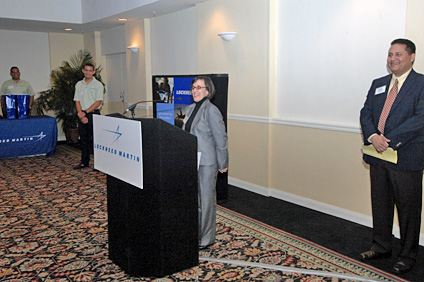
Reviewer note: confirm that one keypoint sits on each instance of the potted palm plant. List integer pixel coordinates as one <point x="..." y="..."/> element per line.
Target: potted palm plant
<point x="60" y="97"/>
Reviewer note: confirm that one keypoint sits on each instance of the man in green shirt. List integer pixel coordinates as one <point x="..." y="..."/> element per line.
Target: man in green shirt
<point x="88" y="100"/>
<point x="16" y="86"/>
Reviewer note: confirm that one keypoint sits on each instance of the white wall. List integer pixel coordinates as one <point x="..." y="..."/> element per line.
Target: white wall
<point x="113" y="40"/>
<point x="43" y="10"/>
<point x="245" y="58"/>
<point x="328" y="52"/>
<point x="29" y="51"/>
<point x="138" y="64"/>
<point x="62" y="46"/>
<point x="173" y="43"/>
<point x="98" y="9"/>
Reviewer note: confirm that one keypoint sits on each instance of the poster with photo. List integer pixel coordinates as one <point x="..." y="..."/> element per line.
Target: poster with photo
<point x="173" y="94"/>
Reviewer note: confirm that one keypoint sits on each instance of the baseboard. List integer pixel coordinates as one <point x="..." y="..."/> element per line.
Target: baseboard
<point x="312" y="204"/>
<point x="249" y="186"/>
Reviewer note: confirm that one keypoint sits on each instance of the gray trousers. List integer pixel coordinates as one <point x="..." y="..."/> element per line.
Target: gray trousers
<point x="207" y="204"/>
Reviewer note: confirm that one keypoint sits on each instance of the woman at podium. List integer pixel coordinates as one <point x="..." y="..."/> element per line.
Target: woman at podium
<point x="204" y="120"/>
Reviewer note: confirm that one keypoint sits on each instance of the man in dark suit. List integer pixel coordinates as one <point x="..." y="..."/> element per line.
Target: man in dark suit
<point x="393" y="116"/>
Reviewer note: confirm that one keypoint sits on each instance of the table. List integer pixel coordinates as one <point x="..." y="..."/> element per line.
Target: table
<point x="28" y="137"/>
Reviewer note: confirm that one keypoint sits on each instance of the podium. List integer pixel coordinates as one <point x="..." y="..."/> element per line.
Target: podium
<point x="153" y="232"/>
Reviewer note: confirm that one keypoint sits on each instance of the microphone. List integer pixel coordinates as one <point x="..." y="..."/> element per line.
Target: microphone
<point x="132" y="107"/>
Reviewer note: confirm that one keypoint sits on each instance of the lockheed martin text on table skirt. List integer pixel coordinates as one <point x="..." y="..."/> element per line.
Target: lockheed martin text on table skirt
<point x="28" y="137"/>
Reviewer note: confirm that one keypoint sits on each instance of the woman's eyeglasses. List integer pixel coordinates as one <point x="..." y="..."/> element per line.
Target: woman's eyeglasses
<point x="197" y="87"/>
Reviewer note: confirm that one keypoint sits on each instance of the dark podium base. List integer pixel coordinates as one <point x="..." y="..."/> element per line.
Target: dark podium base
<point x="153" y="232"/>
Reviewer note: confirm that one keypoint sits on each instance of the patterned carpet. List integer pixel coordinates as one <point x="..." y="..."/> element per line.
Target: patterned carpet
<point x="53" y="227"/>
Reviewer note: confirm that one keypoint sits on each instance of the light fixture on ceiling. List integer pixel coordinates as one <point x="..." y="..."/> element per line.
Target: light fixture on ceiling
<point x="133" y="49"/>
<point x="122" y="20"/>
<point x="68" y="29"/>
<point x="228" y="35"/>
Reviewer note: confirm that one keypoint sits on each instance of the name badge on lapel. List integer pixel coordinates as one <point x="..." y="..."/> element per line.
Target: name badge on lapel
<point x="380" y="90"/>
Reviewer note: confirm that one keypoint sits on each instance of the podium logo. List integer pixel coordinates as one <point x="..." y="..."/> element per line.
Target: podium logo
<point x="113" y="147"/>
<point x="116" y="133"/>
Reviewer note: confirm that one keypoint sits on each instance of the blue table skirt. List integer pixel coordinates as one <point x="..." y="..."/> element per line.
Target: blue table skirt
<point x="28" y="137"/>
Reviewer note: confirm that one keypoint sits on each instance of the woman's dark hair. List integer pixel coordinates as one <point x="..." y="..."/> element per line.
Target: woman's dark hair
<point x="208" y="83"/>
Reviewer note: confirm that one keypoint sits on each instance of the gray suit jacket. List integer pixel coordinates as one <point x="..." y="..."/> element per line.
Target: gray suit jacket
<point x="212" y="141"/>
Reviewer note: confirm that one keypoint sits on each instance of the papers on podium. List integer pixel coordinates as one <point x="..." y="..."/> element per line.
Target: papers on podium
<point x="389" y="155"/>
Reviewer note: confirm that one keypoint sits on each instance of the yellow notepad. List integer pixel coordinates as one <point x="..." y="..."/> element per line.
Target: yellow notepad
<point x="389" y="155"/>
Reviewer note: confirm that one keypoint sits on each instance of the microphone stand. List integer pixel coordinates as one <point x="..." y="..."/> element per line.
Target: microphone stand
<point x="133" y="106"/>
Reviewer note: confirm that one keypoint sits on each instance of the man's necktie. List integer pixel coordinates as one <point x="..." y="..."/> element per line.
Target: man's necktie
<point x="387" y="106"/>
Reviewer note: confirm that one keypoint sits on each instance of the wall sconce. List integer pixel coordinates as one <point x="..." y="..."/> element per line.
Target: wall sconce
<point x="227" y="36"/>
<point x="133" y="49"/>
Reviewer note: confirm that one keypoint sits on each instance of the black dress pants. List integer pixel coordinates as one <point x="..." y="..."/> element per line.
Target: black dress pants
<point x="403" y="189"/>
<point x="86" y="137"/>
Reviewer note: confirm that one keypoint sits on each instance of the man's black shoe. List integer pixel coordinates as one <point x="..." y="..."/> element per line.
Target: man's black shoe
<point x="402" y="266"/>
<point x="80" y="166"/>
<point x="370" y="255"/>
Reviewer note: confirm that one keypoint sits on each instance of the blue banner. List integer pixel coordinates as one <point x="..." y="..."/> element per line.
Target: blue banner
<point x="182" y="90"/>
<point x="165" y="111"/>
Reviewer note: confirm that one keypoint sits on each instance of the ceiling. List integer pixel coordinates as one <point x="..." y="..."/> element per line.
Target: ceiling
<point x="155" y="9"/>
